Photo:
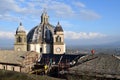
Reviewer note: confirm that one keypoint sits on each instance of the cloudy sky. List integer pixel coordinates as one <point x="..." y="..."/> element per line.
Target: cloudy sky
<point x="85" y="22"/>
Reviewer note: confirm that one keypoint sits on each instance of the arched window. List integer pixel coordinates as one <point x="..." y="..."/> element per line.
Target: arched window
<point x="58" y="39"/>
<point x="40" y="49"/>
<point x="19" y="39"/>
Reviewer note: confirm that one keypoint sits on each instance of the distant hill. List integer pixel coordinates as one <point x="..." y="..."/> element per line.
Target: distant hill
<point x="6" y="44"/>
<point x="106" y="45"/>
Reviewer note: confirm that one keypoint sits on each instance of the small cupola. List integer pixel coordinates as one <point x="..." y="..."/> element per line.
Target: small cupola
<point x="58" y="28"/>
<point x="20" y="28"/>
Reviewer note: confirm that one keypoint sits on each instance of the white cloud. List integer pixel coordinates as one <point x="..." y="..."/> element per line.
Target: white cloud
<point x="66" y="24"/>
<point x="79" y="4"/>
<point x="89" y="15"/>
<point x="6" y="35"/>
<point x="60" y="9"/>
<point x="8" y="17"/>
<point x="68" y="35"/>
<point x="34" y="8"/>
<point x="82" y="35"/>
<point x="21" y="0"/>
<point x="7" y="6"/>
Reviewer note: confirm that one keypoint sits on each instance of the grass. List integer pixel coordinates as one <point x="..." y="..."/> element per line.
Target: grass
<point x="11" y="75"/>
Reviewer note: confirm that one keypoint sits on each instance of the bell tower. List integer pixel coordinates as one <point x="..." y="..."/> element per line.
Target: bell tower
<point x="20" y="39"/>
<point x="58" y="45"/>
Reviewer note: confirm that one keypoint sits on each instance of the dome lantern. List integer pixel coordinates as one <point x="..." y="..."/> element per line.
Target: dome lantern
<point x="44" y="17"/>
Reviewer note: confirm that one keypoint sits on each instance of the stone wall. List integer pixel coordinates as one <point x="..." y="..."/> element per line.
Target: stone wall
<point x="10" y="67"/>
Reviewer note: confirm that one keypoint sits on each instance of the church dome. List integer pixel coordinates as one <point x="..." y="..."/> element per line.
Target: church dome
<point x="41" y="33"/>
<point x="58" y="28"/>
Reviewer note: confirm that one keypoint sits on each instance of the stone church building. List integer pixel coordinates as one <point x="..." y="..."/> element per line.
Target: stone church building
<point x="43" y="38"/>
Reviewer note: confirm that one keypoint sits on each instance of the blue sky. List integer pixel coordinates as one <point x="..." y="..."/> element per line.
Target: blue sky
<point x="85" y="22"/>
